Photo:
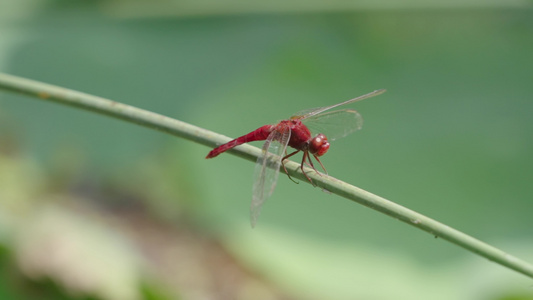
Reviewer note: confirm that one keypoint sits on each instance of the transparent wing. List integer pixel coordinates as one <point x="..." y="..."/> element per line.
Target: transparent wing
<point x="335" y="124"/>
<point x="303" y="113"/>
<point x="267" y="170"/>
<point x="315" y="111"/>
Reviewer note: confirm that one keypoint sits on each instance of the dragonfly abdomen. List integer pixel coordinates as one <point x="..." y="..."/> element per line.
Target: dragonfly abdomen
<point x="260" y="134"/>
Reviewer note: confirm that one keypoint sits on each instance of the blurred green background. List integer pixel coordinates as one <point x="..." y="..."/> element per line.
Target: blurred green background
<point x="95" y="208"/>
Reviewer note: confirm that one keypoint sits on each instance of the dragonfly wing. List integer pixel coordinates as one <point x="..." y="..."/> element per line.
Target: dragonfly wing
<point x="267" y="170"/>
<point x="335" y="124"/>
<point x="308" y="112"/>
<point x="315" y="111"/>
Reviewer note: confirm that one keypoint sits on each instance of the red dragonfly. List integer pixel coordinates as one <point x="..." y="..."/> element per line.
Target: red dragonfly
<point x="295" y="132"/>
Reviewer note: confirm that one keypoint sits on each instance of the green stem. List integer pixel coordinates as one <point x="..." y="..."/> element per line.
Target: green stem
<point x="209" y="138"/>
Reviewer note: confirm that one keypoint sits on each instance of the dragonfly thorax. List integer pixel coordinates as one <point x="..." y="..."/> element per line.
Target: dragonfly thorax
<point x="319" y="145"/>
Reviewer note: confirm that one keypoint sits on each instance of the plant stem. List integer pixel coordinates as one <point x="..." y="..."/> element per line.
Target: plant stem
<point x="152" y="120"/>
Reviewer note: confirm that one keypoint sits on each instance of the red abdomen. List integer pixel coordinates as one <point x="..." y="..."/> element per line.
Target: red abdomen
<point x="259" y="134"/>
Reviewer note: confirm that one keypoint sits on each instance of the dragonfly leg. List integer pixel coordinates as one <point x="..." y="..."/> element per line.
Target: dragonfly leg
<point x="285" y="168"/>
<point x="316" y="157"/>
<point x="308" y="164"/>
<point x="313" y="166"/>
<point x="306" y="156"/>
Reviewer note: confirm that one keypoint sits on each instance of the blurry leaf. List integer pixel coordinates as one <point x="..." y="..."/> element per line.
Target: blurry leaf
<point x="153" y="292"/>
<point x="83" y="257"/>
<point x="144" y="8"/>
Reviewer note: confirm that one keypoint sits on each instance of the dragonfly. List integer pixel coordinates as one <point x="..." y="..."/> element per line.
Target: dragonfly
<point x="295" y="132"/>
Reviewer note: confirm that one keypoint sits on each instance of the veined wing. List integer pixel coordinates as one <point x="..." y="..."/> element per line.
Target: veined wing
<point x="335" y="124"/>
<point x="267" y="170"/>
<point x="304" y="114"/>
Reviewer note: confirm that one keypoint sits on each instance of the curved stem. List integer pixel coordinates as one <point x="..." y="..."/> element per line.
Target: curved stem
<point x="152" y="120"/>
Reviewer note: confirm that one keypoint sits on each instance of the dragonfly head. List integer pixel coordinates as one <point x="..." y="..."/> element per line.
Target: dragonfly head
<point x="319" y="145"/>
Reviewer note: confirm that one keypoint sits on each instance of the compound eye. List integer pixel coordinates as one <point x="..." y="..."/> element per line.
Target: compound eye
<point x="319" y="145"/>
